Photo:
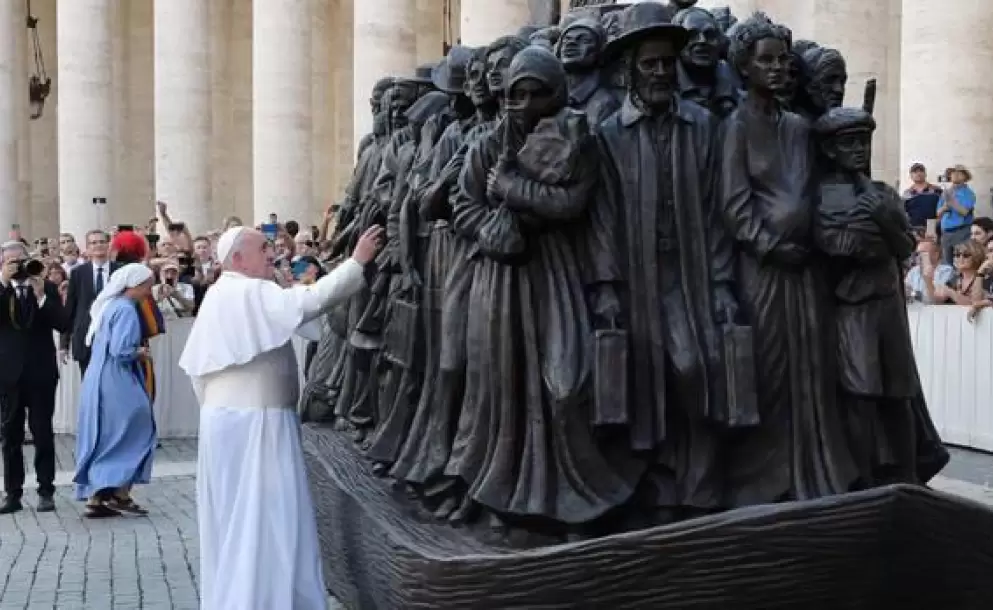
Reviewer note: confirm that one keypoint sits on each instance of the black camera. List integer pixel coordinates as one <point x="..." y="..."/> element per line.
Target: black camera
<point x="28" y="268"/>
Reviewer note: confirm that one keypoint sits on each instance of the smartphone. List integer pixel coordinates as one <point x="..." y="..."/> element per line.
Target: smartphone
<point x="153" y="239"/>
<point x="299" y="268"/>
<point x="270" y="230"/>
<point x="273" y="219"/>
<point x="122" y="228"/>
<point x="15" y="227"/>
<point x="177" y="227"/>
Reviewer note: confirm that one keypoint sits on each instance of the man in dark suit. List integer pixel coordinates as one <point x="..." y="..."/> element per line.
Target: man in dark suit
<point x="85" y="283"/>
<point x="30" y="312"/>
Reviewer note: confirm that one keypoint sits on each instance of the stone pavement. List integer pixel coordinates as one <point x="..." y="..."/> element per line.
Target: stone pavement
<point x="65" y="562"/>
<point x="61" y="561"/>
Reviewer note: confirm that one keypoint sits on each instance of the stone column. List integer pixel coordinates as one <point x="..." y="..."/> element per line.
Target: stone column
<point x="741" y="9"/>
<point x="85" y="112"/>
<point x="11" y="19"/>
<point x="385" y="44"/>
<point x="44" y="170"/>
<point x="281" y="121"/>
<point x="946" y="117"/>
<point x="183" y="110"/>
<point x="431" y="30"/>
<point x="482" y="21"/>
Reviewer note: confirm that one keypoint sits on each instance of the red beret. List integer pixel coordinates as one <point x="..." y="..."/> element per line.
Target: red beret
<point x="129" y="244"/>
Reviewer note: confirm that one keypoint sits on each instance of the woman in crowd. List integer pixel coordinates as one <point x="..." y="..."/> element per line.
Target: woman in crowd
<point x="115" y="432"/>
<point x="986" y="273"/>
<point x="967" y="287"/>
<point x="57" y="275"/>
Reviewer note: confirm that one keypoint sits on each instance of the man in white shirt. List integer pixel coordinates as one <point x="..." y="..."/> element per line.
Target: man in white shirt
<point x="928" y="274"/>
<point x="258" y="536"/>
<point x="85" y="283"/>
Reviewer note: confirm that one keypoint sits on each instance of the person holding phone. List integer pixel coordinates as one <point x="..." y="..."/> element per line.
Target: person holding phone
<point x="175" y="297"/>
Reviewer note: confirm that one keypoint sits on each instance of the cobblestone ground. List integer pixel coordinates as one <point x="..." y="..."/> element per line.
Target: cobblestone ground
<point x="65" y="562"/>
<point x="61" y="561"/>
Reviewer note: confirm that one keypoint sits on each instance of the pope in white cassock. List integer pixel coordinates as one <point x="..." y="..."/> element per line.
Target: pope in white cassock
<point x="258" y="536"/>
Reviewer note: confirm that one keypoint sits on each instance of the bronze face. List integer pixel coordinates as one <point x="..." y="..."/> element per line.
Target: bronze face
<point x="497" y="64"/>
<point x="704" y="47"/>
<point x="654" y="68"/>
<point x="769" y="65"/>
<point x="528" y="101"/>
<point x="579" y="47"/>
<point x="828" y="86"/>
<point x="475" y="86"/>
<point x="851" y="150"/>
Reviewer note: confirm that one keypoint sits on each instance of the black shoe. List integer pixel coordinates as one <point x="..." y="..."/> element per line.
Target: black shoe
<point x="11" y="505"/>
<point x="46" y="504"/>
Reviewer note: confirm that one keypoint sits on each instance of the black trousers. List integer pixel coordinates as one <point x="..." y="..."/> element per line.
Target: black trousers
<point x="34" y="402"/>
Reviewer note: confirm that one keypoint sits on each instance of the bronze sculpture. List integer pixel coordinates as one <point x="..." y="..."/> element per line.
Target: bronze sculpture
<point x="605" y="309"/>
<point x="580" y="49"/>
<point x="862" y="226"/>
<point x="704" y="76"/>
<point x="671" y="265"/>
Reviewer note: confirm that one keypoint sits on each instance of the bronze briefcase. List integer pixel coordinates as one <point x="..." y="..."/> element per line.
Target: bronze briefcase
<point x="741" y="407"/>
<point x="610" y="377"/>
<point x="401" y="332"/>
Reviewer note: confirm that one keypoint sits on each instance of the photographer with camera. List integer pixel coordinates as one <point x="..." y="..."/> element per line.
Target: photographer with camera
<point x="30" y="311"/>
<point x="174" y="297"/>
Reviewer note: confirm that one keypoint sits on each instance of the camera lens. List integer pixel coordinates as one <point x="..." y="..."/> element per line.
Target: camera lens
<point x="34" y="267"/>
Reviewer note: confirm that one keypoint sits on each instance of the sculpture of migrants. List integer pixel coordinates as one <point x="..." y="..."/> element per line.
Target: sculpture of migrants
<point x="629" y="343"/>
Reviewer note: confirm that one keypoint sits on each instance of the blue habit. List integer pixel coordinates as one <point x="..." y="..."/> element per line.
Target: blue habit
<point x="115" y="436"/>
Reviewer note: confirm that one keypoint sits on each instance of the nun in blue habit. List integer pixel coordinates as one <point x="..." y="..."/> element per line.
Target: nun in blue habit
<point x="116" y="431"/>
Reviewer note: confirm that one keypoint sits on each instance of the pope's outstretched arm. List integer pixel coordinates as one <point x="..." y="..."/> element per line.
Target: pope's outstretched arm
<point x="332" y="289"/>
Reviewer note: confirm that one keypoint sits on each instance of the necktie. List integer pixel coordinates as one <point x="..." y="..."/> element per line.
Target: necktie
<point x="99" y="284"/>
<point x="23" y="304"/>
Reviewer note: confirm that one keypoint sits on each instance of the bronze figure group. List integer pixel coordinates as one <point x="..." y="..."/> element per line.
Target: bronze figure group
<point x="637" y="271"/>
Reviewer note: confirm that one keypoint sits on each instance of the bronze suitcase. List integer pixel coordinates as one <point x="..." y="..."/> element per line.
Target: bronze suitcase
<point x="610" y="377"/>
<point x="401" y="332"/>
<point x="741" y="407"/>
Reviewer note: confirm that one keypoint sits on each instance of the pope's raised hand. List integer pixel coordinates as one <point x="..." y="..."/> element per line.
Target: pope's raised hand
<point x="368" y="245"/>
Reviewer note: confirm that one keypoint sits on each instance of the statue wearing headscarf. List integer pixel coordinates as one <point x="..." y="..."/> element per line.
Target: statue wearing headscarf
<point x="525" y="445"/>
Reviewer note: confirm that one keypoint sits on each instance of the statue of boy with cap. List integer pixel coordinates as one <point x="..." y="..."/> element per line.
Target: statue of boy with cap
<point x="862" y="227"/>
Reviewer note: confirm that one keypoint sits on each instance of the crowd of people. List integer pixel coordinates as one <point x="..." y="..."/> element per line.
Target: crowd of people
<point x="953" y="264"/>
<point x="49" y="289"/>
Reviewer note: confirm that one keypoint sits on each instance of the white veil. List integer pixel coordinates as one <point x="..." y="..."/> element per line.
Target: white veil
<point x="128" y="276"/>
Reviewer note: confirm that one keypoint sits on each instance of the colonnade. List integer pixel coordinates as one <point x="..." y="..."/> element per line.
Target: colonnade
<point x="255" y="106"/>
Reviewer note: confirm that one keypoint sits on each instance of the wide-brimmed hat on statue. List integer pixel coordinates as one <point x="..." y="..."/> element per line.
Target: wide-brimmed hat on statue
<point x="959" y="168"/>
<point x="422" y="75"/>
<point x="450" y="73"/>
<point x="645" y="20"/>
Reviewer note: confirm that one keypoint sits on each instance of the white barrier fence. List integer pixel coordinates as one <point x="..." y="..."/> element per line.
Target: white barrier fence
<point x="177" y="414"/>
<point x="954" y="356"/>
<point x="955" y="360"/>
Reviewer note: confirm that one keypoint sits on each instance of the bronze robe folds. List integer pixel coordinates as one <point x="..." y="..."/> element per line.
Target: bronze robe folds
<point x="800" y="449"/>
<point x="525" y="444"/>
<point x="890" y="433"/>
<point x="673" y="334"/>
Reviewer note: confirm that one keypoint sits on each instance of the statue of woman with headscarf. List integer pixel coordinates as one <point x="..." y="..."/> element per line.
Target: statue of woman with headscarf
<point x="525" y="446"/>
